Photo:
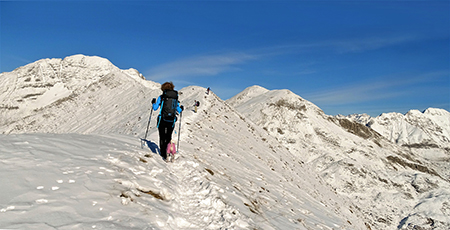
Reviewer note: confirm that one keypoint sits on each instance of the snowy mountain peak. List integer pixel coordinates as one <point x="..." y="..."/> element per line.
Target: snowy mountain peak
<point x="276" y="98"/>
<point x="93" y="62"/>
<point x="414" y="112"/>
<point x="247" y="94"/>
<point x="415" y="128"/>
<point x="437" y="112"/>
<point x="35" y="93"/>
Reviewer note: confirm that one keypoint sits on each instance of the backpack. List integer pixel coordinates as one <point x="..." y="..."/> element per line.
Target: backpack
<point x="169" y="103"/>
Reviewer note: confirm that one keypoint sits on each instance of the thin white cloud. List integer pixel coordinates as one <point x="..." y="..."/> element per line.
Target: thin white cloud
<point x="372" y="43"/>
<point x="341" y="45"/>
<point x="211" y="65"/>
<point x="373" y="91"/>
<point x="208" y="65"/>
<point x="279" y="73"/>
<point x="352" y="94"/>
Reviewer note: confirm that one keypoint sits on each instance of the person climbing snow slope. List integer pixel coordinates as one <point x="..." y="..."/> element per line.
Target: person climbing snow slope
<point x="170" y="107"/>
<point x="196" y="105"/>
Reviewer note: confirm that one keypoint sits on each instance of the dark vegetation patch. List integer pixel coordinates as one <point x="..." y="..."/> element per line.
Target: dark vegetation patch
<point x="71" y="97"/>
<point x="210" y="171"/>
<point x="32" y="95"/>
<point x="358" y="129"/>
<point x="142" y="160"/>
<point x="9" y="107"/>
<point x="125" y="195"/>
<point x="421" y="145"/>
<point x="254" y="207"/>
<point x="286" y="104"/>
<point x="421" y="168"/>
<point x="152" y="193"/>
<point x="280" y="131"/>
<point x="324" y="136"/>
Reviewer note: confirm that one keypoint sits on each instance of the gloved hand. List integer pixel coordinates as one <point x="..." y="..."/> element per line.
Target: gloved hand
<point x="153" y="100"/>
<point x="181" y="107"/>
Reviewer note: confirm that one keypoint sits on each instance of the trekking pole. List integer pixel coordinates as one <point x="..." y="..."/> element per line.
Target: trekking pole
<point x="179" y="130"/>
<point x="148" y="124"/>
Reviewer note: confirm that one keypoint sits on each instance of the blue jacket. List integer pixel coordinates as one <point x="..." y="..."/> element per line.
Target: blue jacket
<point x="158" y="104"/>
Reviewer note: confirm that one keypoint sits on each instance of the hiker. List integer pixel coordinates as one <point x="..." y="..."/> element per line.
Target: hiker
<point x="207" y="91"/>
<point x="170" y="107"/>
<point x="196" y="105"/>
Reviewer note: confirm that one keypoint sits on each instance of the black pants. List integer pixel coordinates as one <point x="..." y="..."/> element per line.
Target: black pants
<point x="165" y="136"/>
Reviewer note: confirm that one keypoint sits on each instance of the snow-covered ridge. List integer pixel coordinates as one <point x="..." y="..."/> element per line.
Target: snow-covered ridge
<point x="430" y="128"/>
<point x="55" y="95"/>
<point x="25" y="85"/>
<point x="284" y="114"/>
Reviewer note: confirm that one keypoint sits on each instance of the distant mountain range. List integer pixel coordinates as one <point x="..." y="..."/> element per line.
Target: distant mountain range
<point x="389" y="172"/>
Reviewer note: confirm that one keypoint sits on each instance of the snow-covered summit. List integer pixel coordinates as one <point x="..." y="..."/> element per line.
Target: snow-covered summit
<point x="430" y="128"/>
<point x="416" y="129"/>
<point x="282" y="113"/>
<point x="35" y="97"/>
<point x="247" y="94"/>
<point x="71" y="75"/>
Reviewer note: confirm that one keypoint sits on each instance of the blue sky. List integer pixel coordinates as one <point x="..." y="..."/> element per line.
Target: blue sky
<point x="344" y="56"/>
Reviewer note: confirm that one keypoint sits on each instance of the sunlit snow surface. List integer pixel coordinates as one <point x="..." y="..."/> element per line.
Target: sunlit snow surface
<point x="73" y="158"/>
<point x="74" y="181"/>
<point x="229" y="174"/>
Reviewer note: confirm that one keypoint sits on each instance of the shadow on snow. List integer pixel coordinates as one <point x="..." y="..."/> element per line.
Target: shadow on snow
<point x="151" y="145"/>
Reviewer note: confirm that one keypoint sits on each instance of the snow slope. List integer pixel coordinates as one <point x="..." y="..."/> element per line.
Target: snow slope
<point x="426" y="134"/>
<point x="78" y="94"/>
<point x="430" y="128"/>
<point x="68" y="181"/>
<point x="393" y="186"/>
<point x="79" y="162"/>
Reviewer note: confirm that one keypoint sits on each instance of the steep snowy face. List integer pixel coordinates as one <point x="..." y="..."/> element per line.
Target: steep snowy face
<point x="28" y="83"/>
<point x="288" y="117"/>
<point x="392" y="186"/>
<point x="415" y="129"/>
<point x="54" y="95"/>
